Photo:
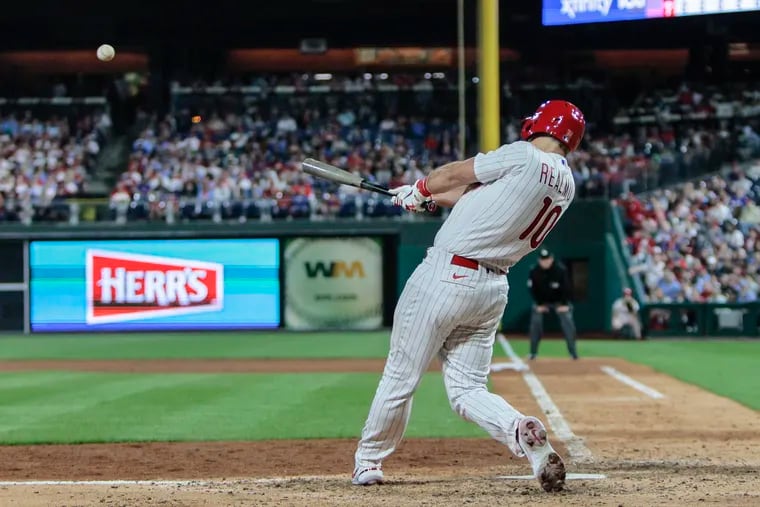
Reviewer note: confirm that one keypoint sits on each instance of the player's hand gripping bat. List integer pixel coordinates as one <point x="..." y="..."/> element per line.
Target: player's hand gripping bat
<point x="330" y="172"/>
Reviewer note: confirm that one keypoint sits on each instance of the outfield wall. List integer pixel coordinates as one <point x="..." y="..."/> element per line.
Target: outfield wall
<point x="266" y="275"/>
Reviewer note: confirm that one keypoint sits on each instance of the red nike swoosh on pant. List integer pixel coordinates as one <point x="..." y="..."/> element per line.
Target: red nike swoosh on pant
<point x="457" y="277"/>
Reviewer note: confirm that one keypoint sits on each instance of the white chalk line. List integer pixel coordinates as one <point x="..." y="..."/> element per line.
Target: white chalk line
<point x="625" y="379"/>
<point x="569" y="477"/>
<point x="497" y="367"/>
<point x="509" y="350"/>
<point x="105" y="483"/>
<point x="171" y="483"/>
<point x="515" y="362"/>
<point x="575" y="446"/>
<point x="229" y="482"/>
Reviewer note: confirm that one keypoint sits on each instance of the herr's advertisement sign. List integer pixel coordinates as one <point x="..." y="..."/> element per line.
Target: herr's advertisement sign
<point x="333" y="283"/>
<point x="123" y="287"/>
<point x="154" y="285"/>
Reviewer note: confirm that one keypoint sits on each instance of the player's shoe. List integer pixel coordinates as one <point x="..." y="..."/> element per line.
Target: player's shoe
<point x="367" y="476"/>
<point x="547" y="465"/>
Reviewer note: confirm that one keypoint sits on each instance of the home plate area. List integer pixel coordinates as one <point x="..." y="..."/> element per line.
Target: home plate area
<point x="641" y="451"/>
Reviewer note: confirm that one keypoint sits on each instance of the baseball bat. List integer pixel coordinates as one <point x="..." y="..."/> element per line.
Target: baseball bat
<point x="330" y="172"/>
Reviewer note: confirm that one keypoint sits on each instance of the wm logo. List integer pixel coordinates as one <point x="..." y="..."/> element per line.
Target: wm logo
<point x="334" y="269"/>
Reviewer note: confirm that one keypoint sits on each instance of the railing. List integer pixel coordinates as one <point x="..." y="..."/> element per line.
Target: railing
<point x="701" y="319"/>
<point x="662" y="171"/>
<point x="619" y="236"/>
<point x="173" y="210"/>
<point x="53" y="101"/>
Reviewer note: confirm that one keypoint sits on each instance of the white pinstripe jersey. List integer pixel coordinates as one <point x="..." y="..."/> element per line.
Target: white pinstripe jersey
<point x="524" y="193"/>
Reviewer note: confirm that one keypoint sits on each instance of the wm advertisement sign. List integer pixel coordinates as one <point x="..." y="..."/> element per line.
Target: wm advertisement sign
<point x="334" y="269"/>
<point x="333" y="283"/>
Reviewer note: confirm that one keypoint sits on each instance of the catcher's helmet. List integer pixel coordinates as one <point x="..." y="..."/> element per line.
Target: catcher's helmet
<point x="556" y="118"/>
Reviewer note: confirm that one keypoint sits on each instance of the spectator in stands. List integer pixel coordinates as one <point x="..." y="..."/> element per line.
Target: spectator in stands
<point x="43" y="160"/>
<point x="693" y="244"/>
<point x="348" y="121"/>
<point x="625" y="316"/>
<point x="258" y="156"/>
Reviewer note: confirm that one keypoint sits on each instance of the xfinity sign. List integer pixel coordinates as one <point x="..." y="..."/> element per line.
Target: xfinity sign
<point x="571" y="7"/>
<point x="566" y="12"/>
<point x="563" y="12"/>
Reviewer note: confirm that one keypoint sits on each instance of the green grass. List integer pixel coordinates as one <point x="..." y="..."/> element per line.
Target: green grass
<point x="67" y="407"/>
<point x="74" y="407"/>
<point x="195" y="345"/>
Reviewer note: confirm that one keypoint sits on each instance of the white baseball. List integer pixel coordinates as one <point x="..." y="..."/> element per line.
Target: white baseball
<point x="106" y="52"/>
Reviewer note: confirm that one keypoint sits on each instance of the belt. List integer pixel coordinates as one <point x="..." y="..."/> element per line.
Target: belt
<point x="458" y="260"/>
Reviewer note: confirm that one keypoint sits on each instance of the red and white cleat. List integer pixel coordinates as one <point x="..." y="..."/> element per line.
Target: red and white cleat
<point x="547" y="465"/>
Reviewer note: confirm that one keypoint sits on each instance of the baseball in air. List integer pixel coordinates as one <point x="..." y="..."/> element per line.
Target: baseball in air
<point x="106" y="52"/>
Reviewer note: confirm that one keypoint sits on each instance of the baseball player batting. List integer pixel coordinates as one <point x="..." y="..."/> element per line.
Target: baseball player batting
<point x="505" y="202"/>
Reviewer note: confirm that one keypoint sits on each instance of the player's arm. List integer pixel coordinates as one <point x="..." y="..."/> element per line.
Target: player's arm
<point x="452" y="177"/>
<point x="450" y="198"/>
<point x="535" y="292"/>
<point x="445" y="185"/>
<point x="483" y="168"/>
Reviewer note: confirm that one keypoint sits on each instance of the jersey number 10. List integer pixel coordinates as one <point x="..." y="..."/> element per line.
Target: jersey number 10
<point x="549" y="221"/>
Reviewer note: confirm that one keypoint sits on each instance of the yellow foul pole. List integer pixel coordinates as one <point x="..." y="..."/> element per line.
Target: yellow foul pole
<point x="488" y="88"/>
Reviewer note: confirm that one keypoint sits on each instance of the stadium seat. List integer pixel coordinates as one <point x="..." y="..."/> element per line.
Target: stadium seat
<point x="347" y="208"/>
<point x="137" y="211"/>
<point x="300" y="207"/>
<point x="252" y="211"/>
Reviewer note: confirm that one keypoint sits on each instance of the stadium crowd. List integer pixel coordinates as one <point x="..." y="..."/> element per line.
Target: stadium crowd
<point x="700" y="241"/>
<point x="229" y="160"/>
<point x="45" y="159"/>
<point x="643" y="158"/>
<point x="725" y="101"/>
<point x="669" y="135"/>
<point x="237" y="154"/>
<point x="233" y="162"/>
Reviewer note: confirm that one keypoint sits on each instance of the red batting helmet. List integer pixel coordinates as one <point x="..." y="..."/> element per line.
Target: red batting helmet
<point x="559" y="119"/>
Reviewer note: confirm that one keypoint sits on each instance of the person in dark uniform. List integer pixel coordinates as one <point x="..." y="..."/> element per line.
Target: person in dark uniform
<point x="550" y="287"/>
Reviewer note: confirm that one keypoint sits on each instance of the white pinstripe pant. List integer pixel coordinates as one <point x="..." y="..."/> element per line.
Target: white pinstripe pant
<point x="456" y="319"/>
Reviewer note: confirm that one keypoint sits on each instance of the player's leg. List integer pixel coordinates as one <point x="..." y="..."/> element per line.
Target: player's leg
<point x="618" y="326"/>
<point x="635" y="327"/>
<point x="568" y="330"/>
<point x="466" y="357"/>
<point x="420" y="324"/>
<point x="536" y="330"/>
